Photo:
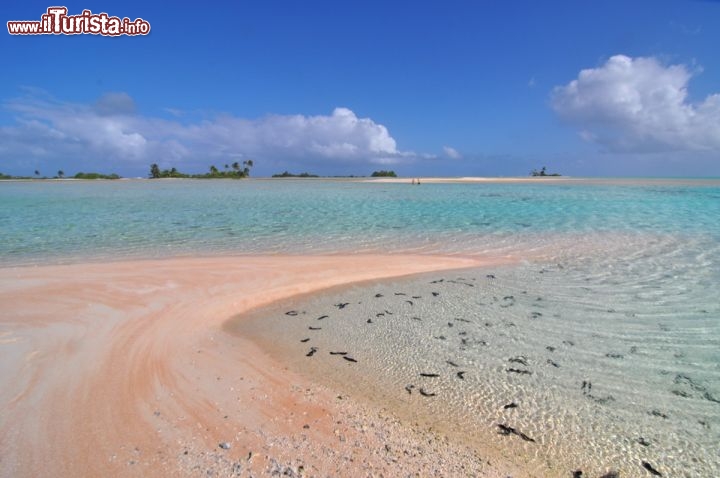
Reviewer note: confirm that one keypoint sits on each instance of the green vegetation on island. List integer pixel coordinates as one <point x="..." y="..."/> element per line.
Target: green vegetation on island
<point x="542" y="173"/>
<point x="383" y="174"/>
<point x="230" y="172"/>
<point x="61" y="175"/>
<point x="291" y="175"/>
<point x="96" y="176"/>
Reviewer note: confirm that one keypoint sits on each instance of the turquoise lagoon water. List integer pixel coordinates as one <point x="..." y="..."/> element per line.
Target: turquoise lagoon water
<point x="70" y="221"/>
<point x="605" y="335"/>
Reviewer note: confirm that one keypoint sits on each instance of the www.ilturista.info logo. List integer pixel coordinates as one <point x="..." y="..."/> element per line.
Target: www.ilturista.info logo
<point x="57" y="22"/>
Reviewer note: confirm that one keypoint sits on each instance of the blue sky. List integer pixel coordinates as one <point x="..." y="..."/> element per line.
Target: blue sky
<point x="425" y="88"/>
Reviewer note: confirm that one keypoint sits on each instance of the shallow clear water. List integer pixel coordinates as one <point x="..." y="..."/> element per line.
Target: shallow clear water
<point x="611" y="361"/>
<point x="68" y="221"/>
<point x="616" y="288"/>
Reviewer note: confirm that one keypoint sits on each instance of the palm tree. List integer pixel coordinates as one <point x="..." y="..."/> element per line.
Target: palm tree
<point x="236" y="166"/>
<point x="248" y="164"/>
<point x="61" y="173"/>
<point x="213" y="170"/>
<point x="154" y="171"/>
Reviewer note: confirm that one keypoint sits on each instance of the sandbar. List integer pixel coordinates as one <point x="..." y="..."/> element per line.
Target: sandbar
<point x="124" y="369"/>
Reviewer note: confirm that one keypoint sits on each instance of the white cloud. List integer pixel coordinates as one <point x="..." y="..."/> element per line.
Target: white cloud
<point x="639" y="105"/>
<point x="111" y="129"/>
<point x="451" y="153"/>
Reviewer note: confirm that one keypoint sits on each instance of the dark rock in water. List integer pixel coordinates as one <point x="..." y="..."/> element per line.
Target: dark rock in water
<point x="550" y="349"/>
<point x="586" y="387"/>
<point x="535" y="315"/>
<point x="461" y="375"/>
<point x="315" y="328"/>
<point x="435" y="294"/>
<point x="490" y="276"/>
<point x="569" y="342"/>
<point x="681" y="379"/>
<point x="601" y="400"/>
<point x="658" y="413"/>
<point x="409" y="302"/>
<point x="338" y="353"/>
<point x="400" y="293"/>
<point x="425" y="393"/>
<point x="577" y="474"/>
<point x="311" y="352"/>
<point x="417" y="297"/>
<point x="451" y="363"/>
<point x="388" y="312"/>
<point x="708" y="397"/>
<point x="522" y="360"/>
<point x="432" y="375"/>
<point x="450" y="324"/>
<point x="614" y="356"/>
<point x="507" y="430"/>
<point x="305" y="340"/>
<point x="291" y="313"/>
<point x="224" y="445"/>
<point x="521" y="372"/>
<point x="349" y="359"/>
<point x="643" y="441"/>
<point x="611" y="474"/>
<point x="680" y="393"/>
<point x="408" y="388"/>
<point x="437" y="281"/>
<point x="380" y="314"/>
<point x="417" y="318"/>
<point x="378" y="295"/>
<point x="342" y="305"/>
<point x="441" y="337"/>
<point x="369" y="321"/>
<point x="323" y="317"/>
<point x="510" y="405"/>
<point x="650" y="468"/>
<point x="461" y="282"/>
<point x="554" y="364"/>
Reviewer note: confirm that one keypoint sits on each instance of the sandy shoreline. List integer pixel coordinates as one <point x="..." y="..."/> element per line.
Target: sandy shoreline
<point x="123" y="369"/>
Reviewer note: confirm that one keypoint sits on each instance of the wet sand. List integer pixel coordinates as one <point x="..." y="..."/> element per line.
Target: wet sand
<point x="124" y="369"/>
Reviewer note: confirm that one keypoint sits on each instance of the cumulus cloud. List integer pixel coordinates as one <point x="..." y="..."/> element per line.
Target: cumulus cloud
<point x="451" y="153"/>
<point x="111" y="129"/>
<point x="639" y="105"/>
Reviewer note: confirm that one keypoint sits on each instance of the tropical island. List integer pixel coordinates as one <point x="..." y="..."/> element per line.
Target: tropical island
<point x="543" y="173"/>
<point x="286" y="174"/>
<point x="383" y="174"/>
<point x="231" y="171"/>
<point x="61" y="175"/>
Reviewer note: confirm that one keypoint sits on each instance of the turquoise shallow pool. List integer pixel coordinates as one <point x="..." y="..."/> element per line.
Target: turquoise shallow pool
<point x="612" y="309"/>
